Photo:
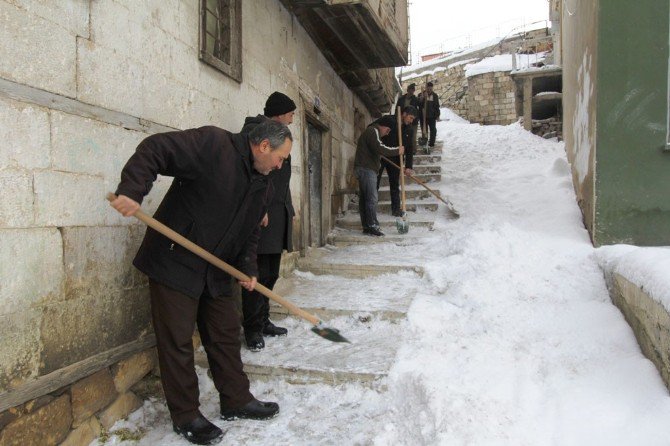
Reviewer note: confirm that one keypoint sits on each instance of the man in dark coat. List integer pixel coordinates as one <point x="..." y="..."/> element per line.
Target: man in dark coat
<point x="407" y="118"/>
<point x="276" y="234"/>
<point x="431" y="102"/>
<point x="366" y="166"/>
<point x="217" y="199"/>
<point x="407" y="100"/>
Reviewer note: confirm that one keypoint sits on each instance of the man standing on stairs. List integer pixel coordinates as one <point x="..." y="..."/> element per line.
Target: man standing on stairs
<point x="367" y="165"/>
<point x="406" y="100"/>
<point x="407" y="116"/>
<point x="430" y="100"/>
<point x="276" y="232"/>
<point x="217" y="199"/>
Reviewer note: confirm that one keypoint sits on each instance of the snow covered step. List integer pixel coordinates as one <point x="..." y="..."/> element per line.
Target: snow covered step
<point x="413" y="191"/>
<point x="421" y="169"/>
<point x="330" y="296"/>
<point x="304" y="357"/>
<point x="418" y="219"/>
<point x="342" y="237"/>
<point x="345" y="262"/>
<point x="421" y="159"/>
<point x="427" y="204"/>
<point x="425" y="178"/>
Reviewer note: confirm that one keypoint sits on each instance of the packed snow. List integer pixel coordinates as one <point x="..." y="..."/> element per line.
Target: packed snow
<point x="510" y="337"/>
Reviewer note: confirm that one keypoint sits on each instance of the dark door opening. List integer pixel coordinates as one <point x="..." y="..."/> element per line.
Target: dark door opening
<point x="314" y="167"/>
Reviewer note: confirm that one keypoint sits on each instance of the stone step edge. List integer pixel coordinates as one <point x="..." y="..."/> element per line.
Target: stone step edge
<point x="278" y="313"/>
<point x="357" y="270"/>
<point x="298" y="375"/>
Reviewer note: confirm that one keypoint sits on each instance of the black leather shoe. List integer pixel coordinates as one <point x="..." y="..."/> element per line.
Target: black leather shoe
<point x="255" y="341"/>
<point x="271" y="329"/>
<point x="253" y="410"/>
<point x="373" y="231"/>
<point x="200" y="431"/>
<point x="397" y="213"/>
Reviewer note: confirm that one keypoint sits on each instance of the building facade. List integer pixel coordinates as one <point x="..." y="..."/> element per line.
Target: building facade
<point x="81" y="84"/>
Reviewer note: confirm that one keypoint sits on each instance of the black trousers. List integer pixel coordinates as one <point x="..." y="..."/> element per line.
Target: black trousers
<point x="433" y="130"/>
<point x="255" y="306"/>
<point x="174" y="317"/>
<point x="394" y="181"/>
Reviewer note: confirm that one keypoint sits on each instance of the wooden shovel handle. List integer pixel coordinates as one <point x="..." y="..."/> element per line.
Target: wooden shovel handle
<point x="211" y="258"/>
<point x="418" y="181"/>
<point x="402" y="160"/>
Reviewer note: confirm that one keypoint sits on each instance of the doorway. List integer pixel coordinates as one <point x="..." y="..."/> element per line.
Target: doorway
<point x="315" y="184"/>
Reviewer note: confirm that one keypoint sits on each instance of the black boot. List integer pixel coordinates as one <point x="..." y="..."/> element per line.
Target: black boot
<point x="271" y="329"/>
<point x="253" y="410"/>
<point x="255" y="341"/>
<point x="199" y="431"/>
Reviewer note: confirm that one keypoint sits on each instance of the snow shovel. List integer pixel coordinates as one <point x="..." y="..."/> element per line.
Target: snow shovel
<point x="319" y="328"/>
<point x="401" y="223"/>
<point x="450" y="206"/>
<point x="423" y="139"/>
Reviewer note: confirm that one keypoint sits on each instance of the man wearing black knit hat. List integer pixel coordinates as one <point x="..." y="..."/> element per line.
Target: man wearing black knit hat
<point x="366" y="166"/>
<point x="275" y="234"/>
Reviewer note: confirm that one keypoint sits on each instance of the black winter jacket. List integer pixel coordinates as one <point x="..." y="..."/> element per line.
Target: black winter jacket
<point x="216" y="200"/>
<point x="278" y="234"/>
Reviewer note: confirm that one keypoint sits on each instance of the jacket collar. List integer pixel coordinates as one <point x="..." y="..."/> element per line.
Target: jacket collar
<point x="243" y="147"/>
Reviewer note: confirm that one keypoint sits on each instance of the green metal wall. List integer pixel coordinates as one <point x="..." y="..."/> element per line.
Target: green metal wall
<point x="632" y="169"/>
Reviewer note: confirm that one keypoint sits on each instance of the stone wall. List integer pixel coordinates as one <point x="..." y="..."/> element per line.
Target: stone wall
<point x="79" y="413"/>
<point x="491" y="98"/>
<point x="72" y="109"/>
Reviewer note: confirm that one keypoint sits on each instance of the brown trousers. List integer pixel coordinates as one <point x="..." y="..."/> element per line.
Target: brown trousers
<point x="174" y="317"/>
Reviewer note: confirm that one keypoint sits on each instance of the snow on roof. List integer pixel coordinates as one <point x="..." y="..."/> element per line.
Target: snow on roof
<point x="503" y="62"/>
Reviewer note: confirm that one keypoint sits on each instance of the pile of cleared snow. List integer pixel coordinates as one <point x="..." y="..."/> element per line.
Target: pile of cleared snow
<point x="504" y="62"/>
<point x="647" y="268"/>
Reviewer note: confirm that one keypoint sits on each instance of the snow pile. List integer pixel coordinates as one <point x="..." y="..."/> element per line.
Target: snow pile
<point x="504" y="62"/>
<point x="514" y="340"/>
<point x="647" y="268"/>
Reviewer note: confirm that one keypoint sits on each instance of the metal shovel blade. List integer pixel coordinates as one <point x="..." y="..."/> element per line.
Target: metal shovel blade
<point x="402" y="225"/>
<point x="332" y="334"/>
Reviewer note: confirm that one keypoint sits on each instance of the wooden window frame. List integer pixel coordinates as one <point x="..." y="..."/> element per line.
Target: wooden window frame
<point x="234" y="68"/>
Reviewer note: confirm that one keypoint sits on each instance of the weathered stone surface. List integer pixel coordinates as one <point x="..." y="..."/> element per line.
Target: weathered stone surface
<point x="128" y="372"/>
<point x="50" y="65"/>
<point x="66" y="199"/>
<point x="82" y="145"/>
<point x="20" y="347"/>
<point x="84" y="434"/>
<point x="73" y="16"/>
<point x="92" y="394"/>
<point x="16" y="207"/>
<point x="121" y="408"/>
<point x="98" y="260"/>
<point x="121" y="86"/>
<point x="31" y="267"/>
<point x="649" y="320"/>
<point x="149" y="386"/>
<point x="48" y="425"/>
<point x="24" y="130"/>
<point x="76" y="329"/>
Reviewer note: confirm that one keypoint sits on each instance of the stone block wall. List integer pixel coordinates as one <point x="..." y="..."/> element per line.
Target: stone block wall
<point x="73" y="108"/>
<point x="79" y="413"/>
<point x="491" y="98"/>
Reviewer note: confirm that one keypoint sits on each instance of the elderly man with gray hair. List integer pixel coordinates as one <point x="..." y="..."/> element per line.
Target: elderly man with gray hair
<point x="217" y="199"/>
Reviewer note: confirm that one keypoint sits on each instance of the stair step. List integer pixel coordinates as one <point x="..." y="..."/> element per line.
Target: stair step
<point x="414" y="193"/>
<point x="421" y="159"/>
<point x="424" y="178"/>
<point x="387" y="222"/>
<point x="330" y="296"/>
<point x="351" y="270"/>
<point x="304" y="357"/>
<point x="411" y="206"/>
<point x="347" y="237"/>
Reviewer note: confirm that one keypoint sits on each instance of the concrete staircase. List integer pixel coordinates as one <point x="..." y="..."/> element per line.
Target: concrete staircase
<point x="355" y="284"/>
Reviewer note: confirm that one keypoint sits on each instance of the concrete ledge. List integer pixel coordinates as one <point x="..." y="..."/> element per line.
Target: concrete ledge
<point x="649" y="320"/>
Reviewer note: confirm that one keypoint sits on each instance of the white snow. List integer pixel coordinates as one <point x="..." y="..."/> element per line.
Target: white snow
<point x="510" y="336"/>
<point x="504" y="62"/>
